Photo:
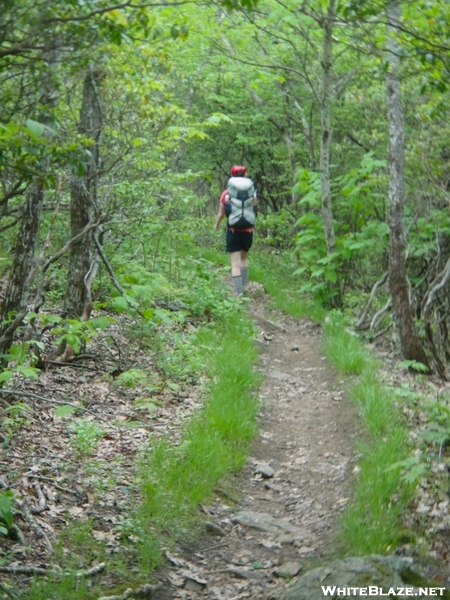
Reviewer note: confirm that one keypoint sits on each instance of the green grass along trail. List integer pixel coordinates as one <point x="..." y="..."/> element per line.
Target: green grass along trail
<point x="283" y="512"/>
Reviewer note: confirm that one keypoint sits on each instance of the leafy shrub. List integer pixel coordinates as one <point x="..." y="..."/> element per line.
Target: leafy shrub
<point x="87" y="435"/>
<point x="6" y="515"/>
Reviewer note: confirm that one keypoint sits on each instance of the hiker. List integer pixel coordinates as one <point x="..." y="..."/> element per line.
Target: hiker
<point x="238" y="203"/>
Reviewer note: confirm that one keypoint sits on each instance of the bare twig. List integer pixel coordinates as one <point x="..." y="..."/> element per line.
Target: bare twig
<point x="145" y="591"/>
<point x="116" y="284"/>
<point x="215" y="546"/>
<point x="30" y="570"/>
<point x="7" y="392"/>
<point x="444" y="277"/>
<point x="55" y="485"/>
<point x="372" y="297"/>
<point x="34" y="524"/>
<point x="42" y="501"/>
<point x="377" y="316"/>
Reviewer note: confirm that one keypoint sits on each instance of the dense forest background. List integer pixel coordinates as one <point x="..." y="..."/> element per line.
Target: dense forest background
<point x="119" y="124"/>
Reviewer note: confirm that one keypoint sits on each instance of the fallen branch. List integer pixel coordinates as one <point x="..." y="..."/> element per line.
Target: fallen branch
<point x="41" y="571"/>
<point x="55" y="485"/>
<point x="27" y="571"/>
<point x="145" y="591"/>
<point x="42" y="501"/>
<point x="34" y="524"/>
<point x="95" y="570"/>
<point x="382" y="332"/>
<point x="7" y="392"/>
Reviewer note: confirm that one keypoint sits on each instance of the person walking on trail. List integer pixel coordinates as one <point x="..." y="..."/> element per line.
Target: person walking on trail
<point x="238" y="204"/>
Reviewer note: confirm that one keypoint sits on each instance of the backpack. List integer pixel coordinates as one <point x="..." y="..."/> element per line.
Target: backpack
<point x="240" y="211"/>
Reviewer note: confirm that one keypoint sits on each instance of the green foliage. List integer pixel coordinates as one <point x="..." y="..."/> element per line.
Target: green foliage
<point x="17" y="415"/>
<point x="414" y="365"/>
<point x="372" y="521"/>
<point x="412" y="468"/>
<point x="87" y="435"/>
<point x="276" y="228"/>
<point x="191" y="289"/>
<point x="237" y="4"/>
<point x="6" y="515"/>
<point x="175" y="479"/>
<point x="344" y="347"/>
<point x="361" y="237"/>
<point x="132" y="377"/>
<point x="436" y="433"/>
<point x="278" y="279"/>
<point x="65" y="410"/>
<point x="173" y="124"/>
<point x="78" y="333"/>
<point x="21" y="359"/>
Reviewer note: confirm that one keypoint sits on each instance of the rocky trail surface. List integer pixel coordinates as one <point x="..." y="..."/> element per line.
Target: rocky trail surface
<point x="287" y="501"/>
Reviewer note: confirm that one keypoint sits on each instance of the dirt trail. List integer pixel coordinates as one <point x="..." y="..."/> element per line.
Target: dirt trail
<point x="294" y="485"/>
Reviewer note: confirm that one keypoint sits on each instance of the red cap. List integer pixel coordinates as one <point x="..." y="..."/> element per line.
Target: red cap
<point x="238" y="171"/>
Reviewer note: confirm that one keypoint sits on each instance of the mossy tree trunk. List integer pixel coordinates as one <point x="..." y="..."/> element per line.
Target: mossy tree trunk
<point x="25" y="264"/>
<point x="325" y="126"/>
<point x="412" y="348"/>
<point x="83" y="201"/>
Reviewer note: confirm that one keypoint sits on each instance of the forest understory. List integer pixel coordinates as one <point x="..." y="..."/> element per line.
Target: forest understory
<point x="259" y="530"/>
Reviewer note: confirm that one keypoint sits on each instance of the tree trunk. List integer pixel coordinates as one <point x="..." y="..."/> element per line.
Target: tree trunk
<point x="24" y="267"/>
<point x="14" y="307"/>
<point x="412" y="348"/>
<point x="325" y="129"/>
<point x="83" y="197"/>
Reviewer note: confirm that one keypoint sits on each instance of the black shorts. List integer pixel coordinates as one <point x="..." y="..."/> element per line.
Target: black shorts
<point x="238" y="240"/>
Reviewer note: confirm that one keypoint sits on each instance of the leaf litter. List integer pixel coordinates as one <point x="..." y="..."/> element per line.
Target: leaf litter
<point x="307" y="438"/>
<point x="71" y="456"/>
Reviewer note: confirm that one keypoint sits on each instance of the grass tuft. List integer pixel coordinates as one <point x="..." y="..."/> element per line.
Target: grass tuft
<point x="372" y="521"/>
<point x="175" y="479"/>
<point x="271" y="272"/>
